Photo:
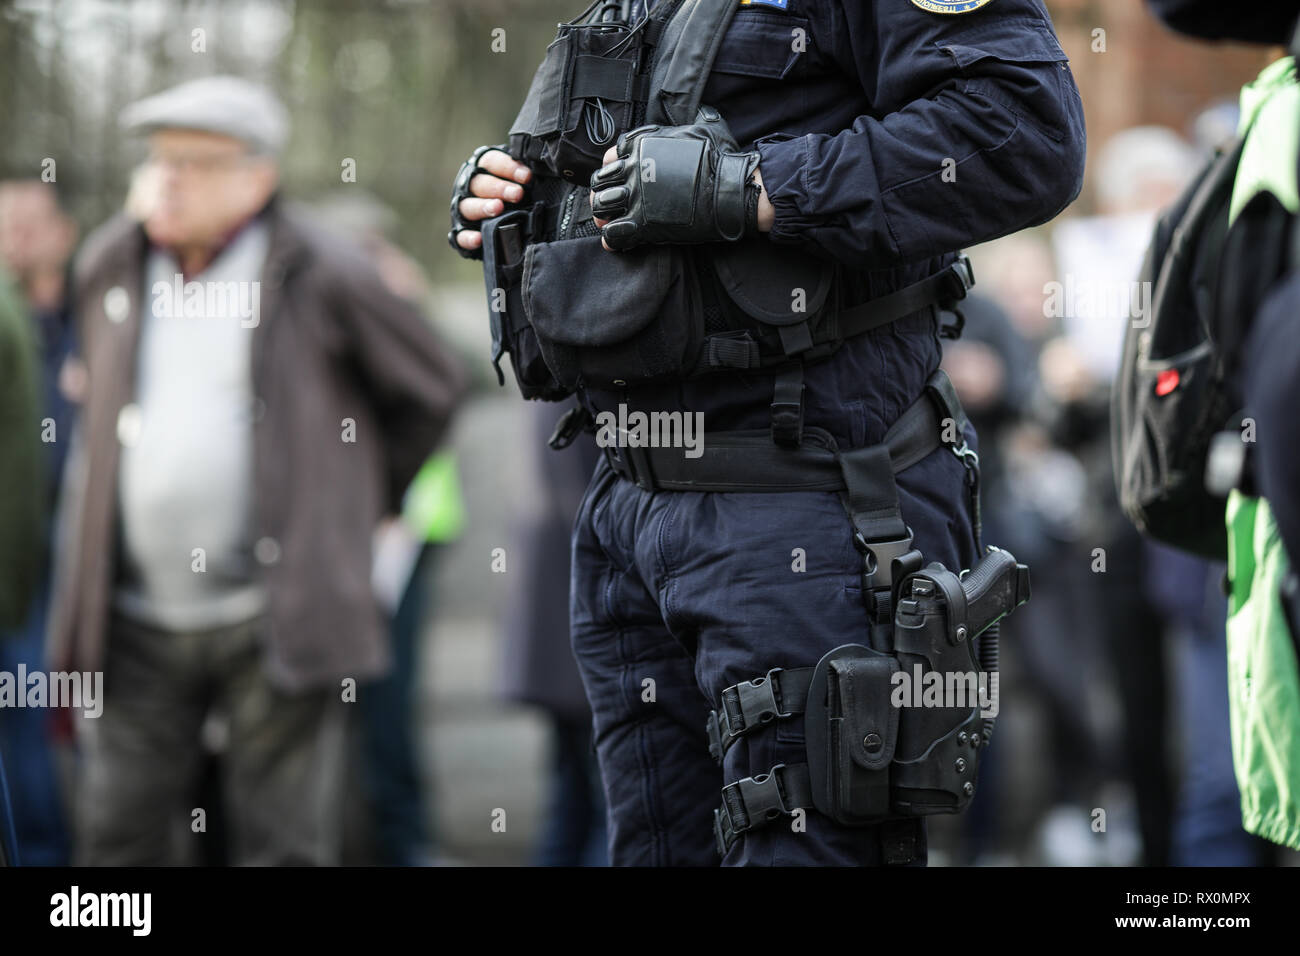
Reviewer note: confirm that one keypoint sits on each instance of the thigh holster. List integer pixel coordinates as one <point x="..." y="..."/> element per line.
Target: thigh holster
<point x="894" y="727"/>
<point x="891" y="733"/>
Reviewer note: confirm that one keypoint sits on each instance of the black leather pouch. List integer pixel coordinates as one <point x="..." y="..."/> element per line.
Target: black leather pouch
<point x="612" y="318"/>
<point x="852" y="730"/>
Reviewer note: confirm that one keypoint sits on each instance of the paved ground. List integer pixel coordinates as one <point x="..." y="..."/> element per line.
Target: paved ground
<point x="480" y="752"/>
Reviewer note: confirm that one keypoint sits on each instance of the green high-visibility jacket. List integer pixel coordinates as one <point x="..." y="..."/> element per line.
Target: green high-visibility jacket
<point x="434" y="507"/>
<point x="1263" y="673"/>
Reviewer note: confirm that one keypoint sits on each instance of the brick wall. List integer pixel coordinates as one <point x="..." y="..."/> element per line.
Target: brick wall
<point x="1146" y="74"/>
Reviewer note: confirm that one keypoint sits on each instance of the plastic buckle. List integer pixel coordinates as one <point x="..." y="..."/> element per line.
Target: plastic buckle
<point x="758" y="703"/>
<point x="760" y="796"/>
<point x="965" y="272"/>
<point x="569" y="427"/>
<point x="879" y="557"/>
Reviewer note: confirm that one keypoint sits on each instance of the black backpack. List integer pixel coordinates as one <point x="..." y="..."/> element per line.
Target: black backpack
<point x="1177" y="403"/>
<point x="1173" y="392"/>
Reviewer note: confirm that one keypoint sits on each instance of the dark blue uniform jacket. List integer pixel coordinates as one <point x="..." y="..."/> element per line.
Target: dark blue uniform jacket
<point x="858" y="110"/>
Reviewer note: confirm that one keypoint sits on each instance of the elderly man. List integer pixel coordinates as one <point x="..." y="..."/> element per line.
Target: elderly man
<point x="257" y="401"/>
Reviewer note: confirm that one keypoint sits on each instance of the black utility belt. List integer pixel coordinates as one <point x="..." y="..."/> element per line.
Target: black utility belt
<point x="749" y="461"/>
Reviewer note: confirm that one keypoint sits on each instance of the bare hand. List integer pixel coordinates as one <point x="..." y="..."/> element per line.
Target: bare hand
<point x="491" y="193"/>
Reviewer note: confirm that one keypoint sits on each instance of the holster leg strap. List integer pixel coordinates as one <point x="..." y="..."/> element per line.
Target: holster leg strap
<point x="752" y="704"/>
<point x="755" y="801"/>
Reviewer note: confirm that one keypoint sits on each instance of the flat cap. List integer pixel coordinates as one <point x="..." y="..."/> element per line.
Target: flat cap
<point x="215" y="104"/>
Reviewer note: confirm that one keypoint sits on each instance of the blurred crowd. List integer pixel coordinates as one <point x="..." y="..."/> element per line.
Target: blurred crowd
<point x="1121" y="655"/>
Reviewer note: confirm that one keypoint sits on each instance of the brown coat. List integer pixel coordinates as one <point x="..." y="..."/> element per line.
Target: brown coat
<point x="331" y="343"/>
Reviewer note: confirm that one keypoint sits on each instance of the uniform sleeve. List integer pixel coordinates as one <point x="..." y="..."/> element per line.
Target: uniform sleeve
<point x="976" y="131"/>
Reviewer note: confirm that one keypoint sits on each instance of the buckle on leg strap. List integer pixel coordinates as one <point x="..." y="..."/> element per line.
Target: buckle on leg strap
<point x="755" y="801"/>
<point x="752" y="704"/>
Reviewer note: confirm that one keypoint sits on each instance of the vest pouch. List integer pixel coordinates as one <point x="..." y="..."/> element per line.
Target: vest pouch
<point x="613" y="318"/>
<point x="504" y="240"/>
<point x="600" y="101"/>
<point x="542" y="115"/>
<point x="775" y="286"/>
<point x="584" y="95"/>
<point x="851" y="729"/>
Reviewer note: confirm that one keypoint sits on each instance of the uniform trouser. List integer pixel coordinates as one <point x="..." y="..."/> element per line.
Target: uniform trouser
<point x="677" y="595"/>
<point x="283" y="763"/>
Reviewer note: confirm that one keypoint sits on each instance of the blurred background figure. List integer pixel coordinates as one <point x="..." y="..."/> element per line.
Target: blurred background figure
<point x="1137" y="173"/>
<point x="396" y="827"/>
<point x="992" y="368"/>
<point x="1091" y="647"/>
<point x="36" y="243"/>
<point x="1164" y="634"/>
<point x="537" y="661"/>
<point x="256" y="401"/>
<point x="1035" y="504"/>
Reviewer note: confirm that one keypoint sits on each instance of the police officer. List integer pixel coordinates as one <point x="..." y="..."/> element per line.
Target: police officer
<point x="883" y="137"/>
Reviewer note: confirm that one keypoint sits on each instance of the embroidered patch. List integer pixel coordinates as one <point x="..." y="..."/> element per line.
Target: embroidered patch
<point x="947" y="6"/>
<point x="779" y="4"/>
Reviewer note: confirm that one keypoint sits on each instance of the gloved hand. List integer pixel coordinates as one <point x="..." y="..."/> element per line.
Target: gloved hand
<point x="677" y="184"/>
<point x="499" y="183"/>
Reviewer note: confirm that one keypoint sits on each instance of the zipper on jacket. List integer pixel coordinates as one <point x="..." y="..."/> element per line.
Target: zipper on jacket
<point x="569" y="199"/>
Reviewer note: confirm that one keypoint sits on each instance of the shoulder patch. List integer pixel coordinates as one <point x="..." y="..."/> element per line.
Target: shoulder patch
<point x="779" y="4"/>
<point x="946" y="6"/>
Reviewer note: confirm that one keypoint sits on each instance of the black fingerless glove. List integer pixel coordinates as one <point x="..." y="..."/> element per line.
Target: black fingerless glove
<point x="460" y="190"/>
<point x="678" y="184"/>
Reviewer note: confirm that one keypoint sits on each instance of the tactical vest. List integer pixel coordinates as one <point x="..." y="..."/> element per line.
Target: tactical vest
<point x="572" y="314"/>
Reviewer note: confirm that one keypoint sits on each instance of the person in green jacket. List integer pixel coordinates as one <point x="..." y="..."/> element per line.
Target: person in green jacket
<point x="1263" y="669"/>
